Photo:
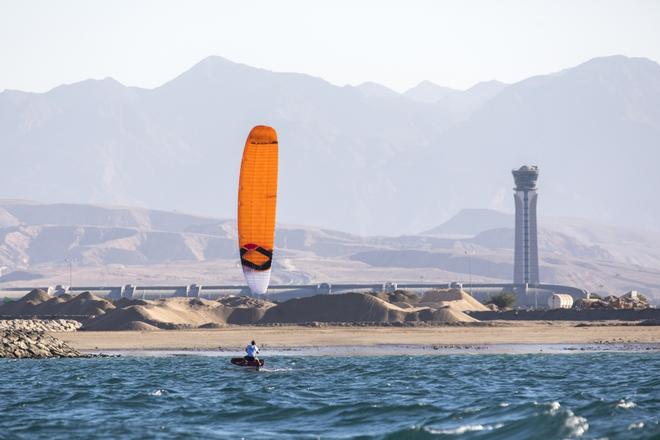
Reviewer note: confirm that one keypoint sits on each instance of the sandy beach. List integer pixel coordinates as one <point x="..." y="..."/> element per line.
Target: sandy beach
<point x="299" y="336"/>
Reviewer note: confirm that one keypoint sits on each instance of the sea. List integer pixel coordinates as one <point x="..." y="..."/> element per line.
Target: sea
<point x="457" y="396"/>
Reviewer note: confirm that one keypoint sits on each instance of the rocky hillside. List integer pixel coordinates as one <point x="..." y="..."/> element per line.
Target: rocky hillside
<point x="119" y="245"/>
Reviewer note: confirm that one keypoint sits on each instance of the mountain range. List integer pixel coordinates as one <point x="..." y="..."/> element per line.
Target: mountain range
<point x="119" y="245"/>
<point x="364" y="159"/>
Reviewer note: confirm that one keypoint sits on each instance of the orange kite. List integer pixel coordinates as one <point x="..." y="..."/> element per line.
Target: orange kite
<point x="257" y="197"/>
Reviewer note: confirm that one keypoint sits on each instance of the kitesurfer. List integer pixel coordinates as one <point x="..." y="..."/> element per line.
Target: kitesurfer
<point x="252" y="351"/>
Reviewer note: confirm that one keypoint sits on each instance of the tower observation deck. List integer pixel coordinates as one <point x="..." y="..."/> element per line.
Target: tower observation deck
<point x="526" y="256"/>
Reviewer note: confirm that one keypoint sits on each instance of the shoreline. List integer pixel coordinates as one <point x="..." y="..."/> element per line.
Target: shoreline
<point x="284" y="338"/>
<point x="394" y="350"/>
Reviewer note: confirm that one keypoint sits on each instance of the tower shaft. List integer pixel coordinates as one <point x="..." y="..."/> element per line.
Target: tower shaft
<point x="526" y="255"/>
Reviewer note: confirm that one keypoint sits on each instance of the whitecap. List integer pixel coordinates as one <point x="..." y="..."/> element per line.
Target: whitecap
<point x="577" y="425"/>
<point x="463" y="429"/>
<point x="626" y="404"/>
<point x="554" y="407"/>
<point x="638" y="425"/>
<point x="504" y="404"/>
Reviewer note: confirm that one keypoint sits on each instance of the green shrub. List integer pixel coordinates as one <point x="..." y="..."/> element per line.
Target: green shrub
<point x="503" y="300"/>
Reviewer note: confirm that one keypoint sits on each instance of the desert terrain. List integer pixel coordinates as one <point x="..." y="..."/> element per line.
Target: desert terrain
<point x="89" y="245"/>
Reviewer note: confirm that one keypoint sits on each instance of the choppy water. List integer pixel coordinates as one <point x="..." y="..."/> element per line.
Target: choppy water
<point x="597" y="395"/>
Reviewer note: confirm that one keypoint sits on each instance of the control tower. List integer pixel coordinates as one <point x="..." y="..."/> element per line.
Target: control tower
<point x="526" y="257"/>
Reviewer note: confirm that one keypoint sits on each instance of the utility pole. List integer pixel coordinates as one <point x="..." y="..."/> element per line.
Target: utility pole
<point x="68" y="262"/>
<point x="469" y="255"/>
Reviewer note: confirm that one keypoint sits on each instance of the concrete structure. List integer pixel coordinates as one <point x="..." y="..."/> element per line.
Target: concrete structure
<point x="526" y="256"/>
<point x="481" y="291"/>
<point x="560" y="301"/>
<point x="58" y="290"/>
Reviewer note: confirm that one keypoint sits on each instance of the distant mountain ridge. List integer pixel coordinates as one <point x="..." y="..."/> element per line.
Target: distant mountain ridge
<point x="38" y="240"/>
<point x="471" y="222"/>
<point x="375" y="90"/>
<point x="349" y="161"/>
<point x="427" y="91"/>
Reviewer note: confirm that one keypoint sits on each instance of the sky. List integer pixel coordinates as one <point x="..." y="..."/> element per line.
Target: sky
<point x="396" y="43"/>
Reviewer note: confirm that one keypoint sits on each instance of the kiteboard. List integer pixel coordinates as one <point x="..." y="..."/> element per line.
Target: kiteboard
<point x="242" y="362"/>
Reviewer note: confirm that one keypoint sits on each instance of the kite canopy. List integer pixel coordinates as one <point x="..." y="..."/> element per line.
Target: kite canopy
<point x="257" y="197"/>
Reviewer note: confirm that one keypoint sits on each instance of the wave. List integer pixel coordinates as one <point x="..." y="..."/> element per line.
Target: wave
<point x="455" y="396"/>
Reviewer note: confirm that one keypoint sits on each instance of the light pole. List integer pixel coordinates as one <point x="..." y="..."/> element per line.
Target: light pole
<point x="68" y="262"/>
<point x="468" y="253"/>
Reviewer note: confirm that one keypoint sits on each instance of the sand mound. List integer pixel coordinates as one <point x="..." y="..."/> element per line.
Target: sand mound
<point x="180" y="313"/>
<point x="357" y="307"/>
<point x="39" y="303"/>
<point x="125" y="302"/>
<point x="119" y="319"/>
<point x="173" y="313"/>
<point x="244" y="302"/>
<point x="455" y="298"/>
<point x="27" y="305"/>
<point x="347" y="307"/>
<point x="84" y="304"/>
<point x="131" y="319"/>
<point x="398" y="296"/>
<point x="449" y="315"/>
<point x="36" y="296"/>
<point x="138" y="325"/>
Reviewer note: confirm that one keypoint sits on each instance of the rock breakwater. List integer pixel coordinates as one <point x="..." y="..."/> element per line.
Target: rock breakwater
<point x="33" y="344"/>
<point x="40" y="325"/>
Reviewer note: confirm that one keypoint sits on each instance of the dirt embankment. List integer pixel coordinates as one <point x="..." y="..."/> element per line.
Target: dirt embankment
<point x="176" y="313"/>
<point x="39" y="303"/>
<point x="440" y="307"/>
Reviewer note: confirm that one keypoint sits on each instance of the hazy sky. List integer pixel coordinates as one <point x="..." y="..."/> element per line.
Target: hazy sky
<point x="396" y="43"/>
